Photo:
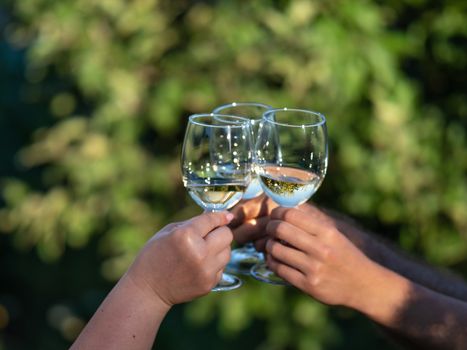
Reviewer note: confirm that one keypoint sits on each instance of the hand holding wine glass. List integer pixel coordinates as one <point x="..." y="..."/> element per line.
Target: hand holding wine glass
<point x="292" y="156"/>
<point x="181" y="262"/>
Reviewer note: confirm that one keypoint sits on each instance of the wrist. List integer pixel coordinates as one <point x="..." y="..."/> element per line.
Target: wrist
<point x="382" y="295"/>
<point x="146" y="293"/>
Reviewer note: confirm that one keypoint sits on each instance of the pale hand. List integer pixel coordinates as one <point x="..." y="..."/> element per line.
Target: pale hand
<point x="184" y="260"/>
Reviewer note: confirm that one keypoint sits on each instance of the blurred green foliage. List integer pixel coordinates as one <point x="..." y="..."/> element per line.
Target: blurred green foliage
<point x="93" y="105"/>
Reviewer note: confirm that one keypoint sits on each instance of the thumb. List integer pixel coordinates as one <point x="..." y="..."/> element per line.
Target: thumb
<point x="206" y="222"/>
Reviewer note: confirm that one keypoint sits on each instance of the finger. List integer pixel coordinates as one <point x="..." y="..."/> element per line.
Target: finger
<point x="206" y="222"/>
<point x="288" y="255"/>
<point x="302" y="220"/>
<point x="268" y="205"/>
<point x="221" y="260"/>
<point x="251" y="209"/>
<point x="282" y="230"/>
<point x="260" y="244"/>
<point x="294" y="277"/>
<point x="246" y="210"/>
<point x="218" y="263"/>
<point x="296" y="237"/>
<point x="218" y="277"/>
<point x="219" y="239"/>
<point x="251" y="230"/>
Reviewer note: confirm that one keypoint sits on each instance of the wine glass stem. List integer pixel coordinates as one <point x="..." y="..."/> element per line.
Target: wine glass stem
<point x="227" y="282"/>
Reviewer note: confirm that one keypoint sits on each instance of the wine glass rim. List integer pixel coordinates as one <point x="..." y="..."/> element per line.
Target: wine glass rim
<point x="322" y="118"/>
<point x="240" y="124"/>
<point x="218" y="109"/>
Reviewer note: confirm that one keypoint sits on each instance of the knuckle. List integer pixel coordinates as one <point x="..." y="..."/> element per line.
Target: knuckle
<point x="197" y="257"/>
<point x="313" y="282"/>
<point x="281" y="227"/>
<point x="205" y="290"/>
<point x="205" y="278"/>
<point x="225" y="257"/>
<point x="177" y="233"/>
<point x="228" y="234"/>
<point x="280" y="270"/>
<point x="275" y="249"/>
<point x="181" y="236"/>
<point x="290" y="215"/>
<point x="281" y="231"/>
<point x="224" y="236"/>
<point x="188" y="230"/>
<point x="330" y="232"/>
<point x="317" y="268"/>
<point x="327" y="253"/>
<point x="206" y="287"/>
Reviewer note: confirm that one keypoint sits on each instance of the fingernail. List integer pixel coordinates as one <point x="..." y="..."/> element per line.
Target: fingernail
<point x="229" y="217"/>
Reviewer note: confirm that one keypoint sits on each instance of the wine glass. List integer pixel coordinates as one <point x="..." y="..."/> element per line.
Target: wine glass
<point x="216" y="166"/>
<point x="292" y="157"/>
<point x="244" y="258"/>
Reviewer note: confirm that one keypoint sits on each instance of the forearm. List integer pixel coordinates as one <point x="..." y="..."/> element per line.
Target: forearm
<point x="412" y="314"/>
<point x="128" y="318"/>
<point x="384" y="253"/>
<point x="430" y="277"/>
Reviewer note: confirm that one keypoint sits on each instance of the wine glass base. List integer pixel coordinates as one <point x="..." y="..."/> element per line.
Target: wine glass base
<point x="227" y="282"/>
<point x="263" y="274"/>
<point x="243" y="259"/>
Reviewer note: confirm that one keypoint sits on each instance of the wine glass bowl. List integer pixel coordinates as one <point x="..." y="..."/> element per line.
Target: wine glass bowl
<point x="254" y="112"/>
<point x="216" y="160"/>
<point x="216" y="166"/>
<point x="243" y="258"/>
<point x="291" y="155"/>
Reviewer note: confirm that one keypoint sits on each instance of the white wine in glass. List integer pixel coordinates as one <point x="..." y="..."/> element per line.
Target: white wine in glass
<point x="216" y="195"/>
<point x="288" y="186"/>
